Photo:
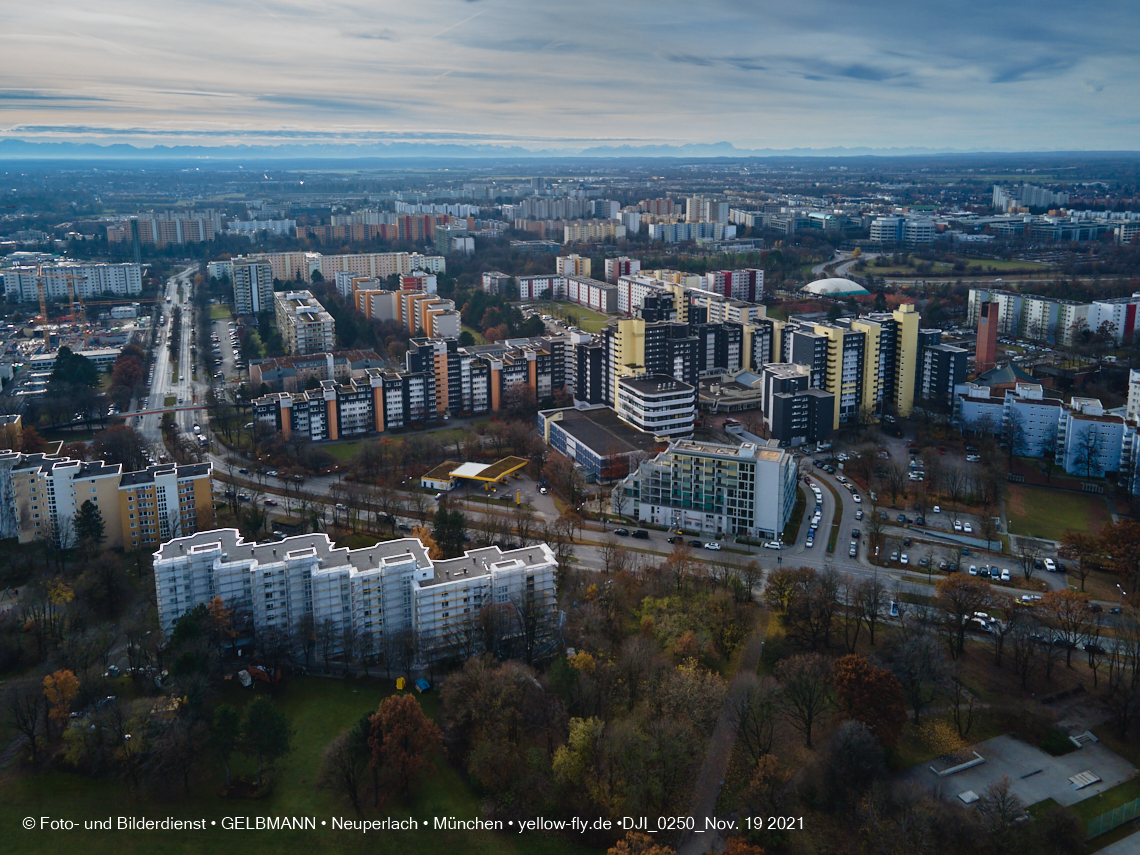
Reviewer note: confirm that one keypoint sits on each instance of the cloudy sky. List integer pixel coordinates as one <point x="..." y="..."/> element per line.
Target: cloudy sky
<point x="1050" y="74"/>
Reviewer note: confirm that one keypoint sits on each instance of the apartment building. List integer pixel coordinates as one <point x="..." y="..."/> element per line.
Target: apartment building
<point x="303" y="323"/>
<point x="681" y="232"/>
<point x="292" y="373"/>
<point x="363" y="594"/>
<point x="416" y="311"/>
<point x="495" y="282"/>
<point x="713" y="489"/>
<point x="166" y="229"/>
<point x="592" y="231"/>
<point x="87" y="280"/>
<point x="253" y="286"/>
<point x="572" y="265"/>
<point x="746" y="284"/>
<point x="44" y="493"/>
<point x="623" y="266"/>
<point x="592" y="293"/>
<point x="1055" y="321"/>
<point x="794" y="412"/>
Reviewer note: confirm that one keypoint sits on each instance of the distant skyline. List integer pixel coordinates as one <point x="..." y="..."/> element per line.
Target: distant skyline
<point x="816" y="74"/>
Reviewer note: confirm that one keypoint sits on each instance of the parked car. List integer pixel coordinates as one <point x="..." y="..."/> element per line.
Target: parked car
<point x="1050" y="565"/>
<point x="856" y="498"/>
<point x="937" y="509"/>
<point x="810" y="542"/>
<point x="859" y="515"/>
<point x="713" y="545"/>
<point x="957" y="525"/>
<point x="973" y="569"/>
<point x="641" y="534"/>
<point x="904" y="559"/>
<point x="894" y="608"/>
<point x="696" y="543"/>
<point x="1005" y="575"/>
<point x="676" y="539"/>
<point x="404" y="527"/>
<point x="967" y="528"/>
<point x="621" y="532"/>
<point x="271" y="502"/>
<point x="773" y="544"/>
<point x="895" y="555"/>
<point x="853" y="550"/>
<point x="341" y="506"/>
<point x="854" y="534"/>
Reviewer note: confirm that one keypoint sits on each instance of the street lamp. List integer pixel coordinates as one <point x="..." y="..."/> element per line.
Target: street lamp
<point x="1123" y="594"/>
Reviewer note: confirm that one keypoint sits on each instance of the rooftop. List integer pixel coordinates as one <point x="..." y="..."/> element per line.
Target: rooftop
<point x="601" y="430"/>
<point x="651" y="384"/>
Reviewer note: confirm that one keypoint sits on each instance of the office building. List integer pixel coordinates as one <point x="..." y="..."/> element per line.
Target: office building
<point x="657" y="404"/>
<point x="364" y="594"/>
<point x="747" y="490"/>
<point x="303" y="323"/>
<point x="253" y="286"/>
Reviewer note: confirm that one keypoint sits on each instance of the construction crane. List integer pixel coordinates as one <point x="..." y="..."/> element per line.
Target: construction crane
<point x="41" y="291"/>
<point x="72" y="296"/>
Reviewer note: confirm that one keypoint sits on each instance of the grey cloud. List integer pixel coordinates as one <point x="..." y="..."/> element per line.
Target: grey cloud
<point x="26" y="95"/>
<point x="1034" y="69"/>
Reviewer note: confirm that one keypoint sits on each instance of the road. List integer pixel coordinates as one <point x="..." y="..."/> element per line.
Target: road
<point x="164" y="385"/>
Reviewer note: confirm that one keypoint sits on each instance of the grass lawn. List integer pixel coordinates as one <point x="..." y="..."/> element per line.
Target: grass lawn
<point x="220" y="312"/>
<point x="345" y="451"/>
<point x="593" y="323"/>
<point x="169" y="401"/>
<point x="792" y="529"/>
<point x="475" y="334"/>
<point x="1042" y="512"/>
<point x="320" y="709"/>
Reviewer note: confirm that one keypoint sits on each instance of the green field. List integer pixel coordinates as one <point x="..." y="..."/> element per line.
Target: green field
<point x="1042" y="512"/>
<point x="220" y="312"/>
<point x="593" y="323"/>
<point x="320" y="709"/>
<point x="475" y="334"/>
<point x="974" y="267"/>
<point x="169" y="401"/>
<point x="347" y="450"/>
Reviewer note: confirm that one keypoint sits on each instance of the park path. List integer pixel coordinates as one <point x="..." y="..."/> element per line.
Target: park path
<point x="719" y="752"/>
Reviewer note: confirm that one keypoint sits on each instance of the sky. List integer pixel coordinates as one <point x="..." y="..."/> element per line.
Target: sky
<point x="967" y="75"/>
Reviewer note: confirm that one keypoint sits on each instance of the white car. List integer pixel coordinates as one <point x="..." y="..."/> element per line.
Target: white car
<point x="1050" y="565"/>
<point x="973" y="569"/>
<point x="1005" y="575"/>
<point x="904" y="559"/>
<point x="856" y="498"/>
<point x="957" y="525"/>
<point x="859" y="514"/>
<point x="713" y="545"/>
<point x="937" y="509"/>
<point x="966" y="527"/>
<point x="810" y="542"/>
<point x="773" y="544"/>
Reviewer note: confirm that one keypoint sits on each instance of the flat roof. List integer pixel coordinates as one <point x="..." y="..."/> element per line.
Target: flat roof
<point x="604" y="433"/>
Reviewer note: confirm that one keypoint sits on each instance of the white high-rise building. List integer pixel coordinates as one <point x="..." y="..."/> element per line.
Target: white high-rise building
<point x="302" y="583"/>
<point x="253" y="286"/>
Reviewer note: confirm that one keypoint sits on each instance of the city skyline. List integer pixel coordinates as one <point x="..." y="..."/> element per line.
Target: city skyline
<point x="518" y="76"/>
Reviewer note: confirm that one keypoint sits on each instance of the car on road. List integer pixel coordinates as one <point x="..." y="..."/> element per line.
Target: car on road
<point x="621" y="532"/>
<point x="696" y="543"/>
<point x="1050" y="565"/>
<point x="243" y="471"/>
<point x="676" y="539"/>
<point x="853" y="550"/>
<point x="713" y="545"/>
<point x="542" y="490"/>
<point x="271" y="502"/>
<point x="810" y="542"/>
<point x="902" y="518"/>
<point x="859" y="515"/>
<point x="243" y="497"/>
<point x="856" y="498"/>
<point x="403" y="527"/>
<point x="773" y="544"/>
<point x="854" y="534"/>
<point x="641" y="534"/>
<point x="341" y="506"/>
<point x="272" y="473"/>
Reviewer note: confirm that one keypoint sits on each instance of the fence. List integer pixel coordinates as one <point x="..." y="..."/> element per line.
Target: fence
<point x="1112" y="819"/>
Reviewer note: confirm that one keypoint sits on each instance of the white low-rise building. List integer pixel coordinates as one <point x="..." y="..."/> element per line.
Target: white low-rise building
<point x="657" y="404"/>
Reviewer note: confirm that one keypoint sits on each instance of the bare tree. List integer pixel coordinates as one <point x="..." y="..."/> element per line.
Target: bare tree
<point x="806" y="693"/>
<point x="752" y="709"/>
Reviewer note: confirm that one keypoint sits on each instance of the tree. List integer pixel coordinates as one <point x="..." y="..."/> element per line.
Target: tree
<point x="1028" y="555"/>
<point x="26" y="708"/>
<point x="89" y="528"/>
<point x="344" y="766"/>
<point x="266" y="733"/>
<point x="121" y="444"/>
<point x="853" y="763"/>
<point x="960" y="596"/>
<point x="450" y="531"/>
<point x="918" y="665"/>
<point x="402" y="736"/>
<point x="1068" y="612"/>
<point x="753" y="713"/>
<point x="1079" y="547"/>
<point x="225" y="735"/>
<point x="1121" y="541"/>
<point x="870" y="695"/>
<point x="60" y="689"/>
<point x="636" y="843"/>
<point x="1090" y="445"/>
<point x="806" y="692"/>
<point x="871" y="597"/>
